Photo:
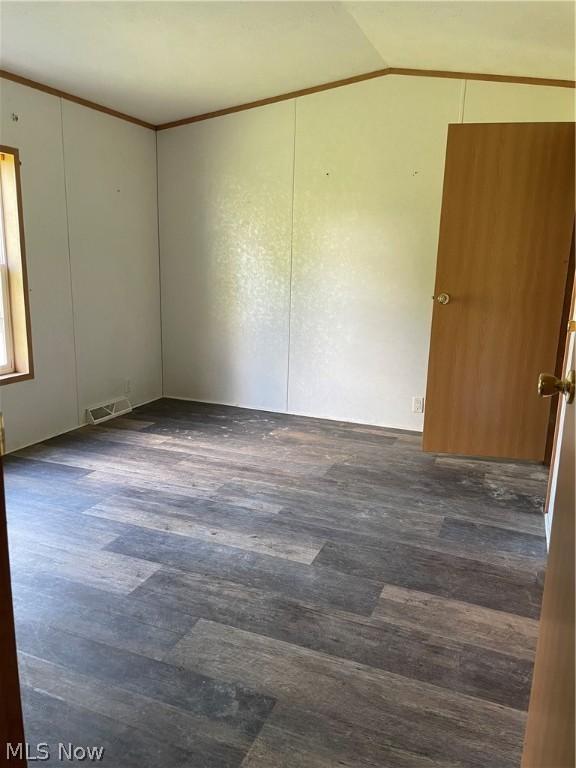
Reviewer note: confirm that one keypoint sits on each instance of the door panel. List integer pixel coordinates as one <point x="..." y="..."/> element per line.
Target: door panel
<point x="505" y="235"/>
<point x="550" y="727"/>
<point x="11" y="727"/>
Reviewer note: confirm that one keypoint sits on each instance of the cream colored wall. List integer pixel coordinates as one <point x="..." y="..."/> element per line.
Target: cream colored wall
<point x="225" y="190"/>
<point x="112" y="218"/>
<point x="342" y="282"/>
<point x="92" y="261"/>
<point x="46" y="405"/>
<point x="369" y="166"/>
<point x="486" y="102"/>
<point x="367" y="194"/>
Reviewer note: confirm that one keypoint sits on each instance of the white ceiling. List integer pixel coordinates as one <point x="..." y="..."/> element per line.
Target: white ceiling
<point x="162" y="61"/>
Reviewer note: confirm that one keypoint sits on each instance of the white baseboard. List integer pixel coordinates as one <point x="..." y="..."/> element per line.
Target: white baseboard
<point x="83" y="423"/>
<point x="402" y="430"/>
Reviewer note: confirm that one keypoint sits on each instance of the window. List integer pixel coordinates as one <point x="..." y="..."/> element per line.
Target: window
<point x="15" y="344"/>
<point x="6" y="342"/>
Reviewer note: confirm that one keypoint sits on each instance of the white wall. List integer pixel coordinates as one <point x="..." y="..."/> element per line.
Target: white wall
<point x="283" y="288"/>
<point x="92" y="265"/>
<point x="368" y="169"/>
<point x="113" y="226"/>
<point x="225" y="191"/>
<point x="511" y="103"/>
<point x="47" y="404"/>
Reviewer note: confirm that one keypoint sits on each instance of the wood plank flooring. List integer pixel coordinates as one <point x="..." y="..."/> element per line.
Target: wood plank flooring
<point x="204" y="586"/>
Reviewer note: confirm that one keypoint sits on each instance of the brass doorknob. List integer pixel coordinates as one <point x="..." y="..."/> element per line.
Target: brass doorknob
<point x="549" y="385"/>
<point x="442" y="298"/>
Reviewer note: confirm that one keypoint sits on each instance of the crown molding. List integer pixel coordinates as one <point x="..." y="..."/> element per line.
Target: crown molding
<point x="368" y="76"/>
<point x="6" y="75"/>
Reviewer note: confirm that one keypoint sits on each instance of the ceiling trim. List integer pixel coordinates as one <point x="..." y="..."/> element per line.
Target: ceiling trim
<point x="6" y="75"/>
<point x="368" y="76"/>
<point x="71" y="97"/>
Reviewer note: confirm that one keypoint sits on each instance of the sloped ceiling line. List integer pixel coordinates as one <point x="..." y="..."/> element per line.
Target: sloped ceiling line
<point x="285" y="96"/>
<point x="160" y="61"/>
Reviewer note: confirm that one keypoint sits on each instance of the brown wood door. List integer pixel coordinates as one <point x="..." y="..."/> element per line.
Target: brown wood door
<point x="11" y="726"/>
<point x="504" y="247"/>
<point x="549" y="739"/>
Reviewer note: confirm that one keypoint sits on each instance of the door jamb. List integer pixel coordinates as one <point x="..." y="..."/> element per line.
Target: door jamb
<point x="11" y="720"/>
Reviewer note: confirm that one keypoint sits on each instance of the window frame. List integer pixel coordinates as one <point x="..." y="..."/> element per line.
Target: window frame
<point x="13" y="272"/>
<point x="6" y="319"/>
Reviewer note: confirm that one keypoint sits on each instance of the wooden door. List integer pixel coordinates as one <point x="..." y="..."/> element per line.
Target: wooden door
<point x="504" y="247"/>
<point x="549" y="739"/>
<point x="11" y="726"/>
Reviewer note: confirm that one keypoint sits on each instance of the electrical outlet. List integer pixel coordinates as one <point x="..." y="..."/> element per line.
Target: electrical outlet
<point x="417" y="405"/>
<point x="127" y="386"/>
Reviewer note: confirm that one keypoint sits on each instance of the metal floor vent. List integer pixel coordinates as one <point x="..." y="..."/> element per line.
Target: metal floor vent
<point x="99" y="413"/>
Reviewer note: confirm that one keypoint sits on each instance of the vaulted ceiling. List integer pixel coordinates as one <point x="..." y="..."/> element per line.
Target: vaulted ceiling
<point x="161" y="61"/>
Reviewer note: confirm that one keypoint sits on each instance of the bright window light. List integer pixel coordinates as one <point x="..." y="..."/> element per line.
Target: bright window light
<point x="15" y="337"/>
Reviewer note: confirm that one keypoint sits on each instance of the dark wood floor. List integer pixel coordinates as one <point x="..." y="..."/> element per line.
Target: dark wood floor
<point x="206" y="586"/>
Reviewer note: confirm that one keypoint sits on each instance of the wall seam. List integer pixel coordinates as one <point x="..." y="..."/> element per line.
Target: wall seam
<point x="463" y="100"/>
<point x="159" y="270"/>
<point x="78" y="415"/>
<point x="291" y="259"/>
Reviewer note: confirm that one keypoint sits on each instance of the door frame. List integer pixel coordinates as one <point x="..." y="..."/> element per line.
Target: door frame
<point x="561" y="357"/>
<point x="11" y="720"/>
<point x="549" y="737"/>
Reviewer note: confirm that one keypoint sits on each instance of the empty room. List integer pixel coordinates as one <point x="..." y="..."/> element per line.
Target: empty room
<point x="287" y="383"/>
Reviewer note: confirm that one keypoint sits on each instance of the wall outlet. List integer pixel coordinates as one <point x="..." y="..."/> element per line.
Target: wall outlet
<point x="417" y="405"/>
<point x="127" y="386"/>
